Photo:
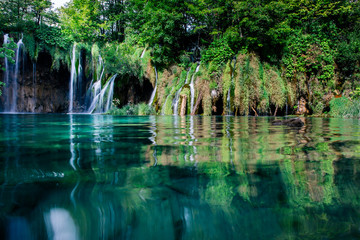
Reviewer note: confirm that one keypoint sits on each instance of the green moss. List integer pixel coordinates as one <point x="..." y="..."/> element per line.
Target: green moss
<point x="343" y="107"/>
<point x="168" y="105"/>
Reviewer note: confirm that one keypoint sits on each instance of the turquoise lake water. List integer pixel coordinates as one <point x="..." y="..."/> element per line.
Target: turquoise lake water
<point x="108" y="177"/>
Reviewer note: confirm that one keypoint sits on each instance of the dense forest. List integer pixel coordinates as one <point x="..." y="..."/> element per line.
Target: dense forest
<point x="258" y="57"/>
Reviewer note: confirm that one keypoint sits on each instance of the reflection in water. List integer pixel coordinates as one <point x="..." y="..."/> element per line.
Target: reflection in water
<point x="72" y="143"/>
<point x="60" y="225"/>
<point x="192" y="138"/>
<point x="175" y="177"/>
<point x="153" y="137"/>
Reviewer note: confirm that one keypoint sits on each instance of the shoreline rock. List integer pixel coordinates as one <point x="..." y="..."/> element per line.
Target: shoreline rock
<point x="293" y="122"/>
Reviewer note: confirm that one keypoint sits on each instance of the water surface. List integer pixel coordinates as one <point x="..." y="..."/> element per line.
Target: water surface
<point x="106" y="177"/>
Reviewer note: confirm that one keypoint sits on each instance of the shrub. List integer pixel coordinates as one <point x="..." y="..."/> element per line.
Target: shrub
<point x="132" y="110"/>
<point x="343" y="107"/>
<point x="219" y="52"/>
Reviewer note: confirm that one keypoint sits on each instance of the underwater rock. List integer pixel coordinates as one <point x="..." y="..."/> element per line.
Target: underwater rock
<point x="293" y="122"/>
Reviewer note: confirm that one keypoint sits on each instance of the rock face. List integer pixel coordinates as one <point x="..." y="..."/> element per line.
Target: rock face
<point x="301" y="110"/>
<point x="42" y="90"/>
<point x="293" y="122"/>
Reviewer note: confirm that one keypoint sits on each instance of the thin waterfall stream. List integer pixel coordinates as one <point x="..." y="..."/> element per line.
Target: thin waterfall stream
<point x="154" y="91"/>
<point x="192" y="89"/>
<point x="177" y="95"/>
<point x="34" y="85"/>
<point x="72" y="80"/>
<point x="228" y="99"/>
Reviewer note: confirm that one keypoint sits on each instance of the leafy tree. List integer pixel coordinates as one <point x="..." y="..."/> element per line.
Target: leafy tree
<point x="80" y="20"/>
<point x="219" y="52"/>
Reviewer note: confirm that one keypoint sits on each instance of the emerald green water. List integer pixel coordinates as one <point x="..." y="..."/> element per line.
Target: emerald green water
<point x="105" y="177"/>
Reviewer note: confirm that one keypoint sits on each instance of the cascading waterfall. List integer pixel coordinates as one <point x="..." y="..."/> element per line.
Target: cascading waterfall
<point x="143" y="53"/>
<point x="228" y="99"/>
<point x="176" y="100"/>
<point x="73" y="79"/>
<point x="228" y="103"/>
<point x="154" y="91"/>
<point x="163" y="107"/>
<point x="16" y="76"/>
<point x="11" y="76"/>
<point x="95" y="86"/>
<point x="96" y="98"/>
<point x="102" y="97"/>
<point x="192" y="89"/>
<point x="34" y="85"/>
<point x="78" y="90"/>
<point x="6" y="79"/>
<point x="175" y="103"/>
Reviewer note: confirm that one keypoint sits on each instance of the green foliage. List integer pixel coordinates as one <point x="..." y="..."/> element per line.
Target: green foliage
<point x="213" y="85"/>
<point x="185" y="61"/>
<point x="310" y="63"/>
<point x="219" y="52"/>
<point x="356" y="93"/>
<point x="131" y="109"/>
<point x="310" y="55"/>
<point x="343" y="107"/>
<point x="1" y="85"/>
<point x="80" y="20"/>
<point x="36" y="22"/>
<point x="52" y="36"/>
<point x="7" y="50"/>
<point x="348" y="54"/>
<point x="118" y="58"/>
<point x="167" y="107"/>
<point x="301" y="41"/>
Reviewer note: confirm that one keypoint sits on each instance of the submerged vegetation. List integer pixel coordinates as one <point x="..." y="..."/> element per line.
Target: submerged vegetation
<point x="255" y="57"/>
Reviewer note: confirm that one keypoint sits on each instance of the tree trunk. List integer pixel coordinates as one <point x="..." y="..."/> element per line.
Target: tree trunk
<point x="254" y="111"/>
<point x="183" y="105"/>
<point x="276" y="110"/>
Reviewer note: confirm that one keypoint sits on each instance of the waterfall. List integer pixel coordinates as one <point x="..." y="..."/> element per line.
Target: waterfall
<point x="6" y="79"/>
<point x="143" y="53"/>
<point x="228" y="103"/>
<point x="72" y="80"/>
<point x="192" y="90"/>
<point x="16" y="76"/>
<point x="228" y="99"/>
<point x="176" y="100"/>
<point x="34" y="85"/>
<point x="95" y="84"/>
<point x="78" y="91"/>
<point x="163" y="107"/>
<point x="154" y="91"/>
<point x="175" y="103"/>
<point x="11" y="76"/>
<point x="102" y="97"/>
<point x="98" y="98"/>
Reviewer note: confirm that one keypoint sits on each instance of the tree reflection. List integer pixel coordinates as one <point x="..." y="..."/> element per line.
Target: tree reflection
<point x="179" y="178"/>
